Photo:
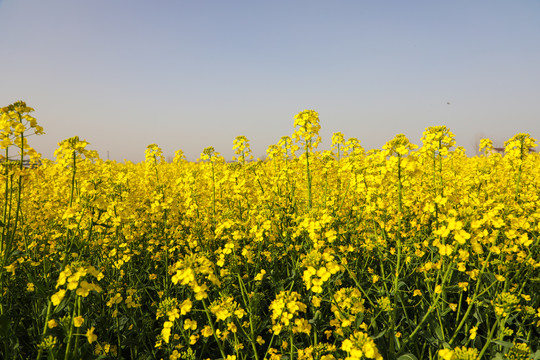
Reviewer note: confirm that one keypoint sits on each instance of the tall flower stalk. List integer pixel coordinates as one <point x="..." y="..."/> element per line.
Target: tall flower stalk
<point x="307" y="133"/>
<point x="16" y="124"/>
<point x="517" y="149"/>
<point x="396" y="149"/>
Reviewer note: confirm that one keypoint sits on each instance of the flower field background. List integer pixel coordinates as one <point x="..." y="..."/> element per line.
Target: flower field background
<point x="407" y="252"/>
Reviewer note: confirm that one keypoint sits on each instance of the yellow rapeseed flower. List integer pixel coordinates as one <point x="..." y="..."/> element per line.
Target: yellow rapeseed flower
<point x="78" y="321"/>
<point x="58" y="296"/>
<point x="90" y="336"/>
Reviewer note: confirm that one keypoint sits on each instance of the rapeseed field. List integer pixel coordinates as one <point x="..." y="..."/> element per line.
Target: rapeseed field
<point x="404" y="252"/>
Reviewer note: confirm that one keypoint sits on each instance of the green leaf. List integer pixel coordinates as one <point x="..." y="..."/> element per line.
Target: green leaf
<point x="505" y="344"/>
<point x="407" y="356"/>
<point x="381" y="334"/>
<point x="439" y="333"/>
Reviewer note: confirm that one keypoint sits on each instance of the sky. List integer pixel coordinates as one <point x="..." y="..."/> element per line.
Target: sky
<point x="124" y="74"/>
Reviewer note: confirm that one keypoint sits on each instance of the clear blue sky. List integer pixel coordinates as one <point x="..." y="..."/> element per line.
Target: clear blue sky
<point x="190" y="74"/>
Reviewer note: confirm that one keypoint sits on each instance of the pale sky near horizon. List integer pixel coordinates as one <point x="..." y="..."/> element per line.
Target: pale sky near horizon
<point x="123" y="74"/>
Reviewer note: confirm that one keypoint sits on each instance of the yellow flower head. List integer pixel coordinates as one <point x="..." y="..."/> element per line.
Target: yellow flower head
<point x="284" y="308"/>
<point x="307" y="124"/>
<point x="78" y="321"/>
<point x="90" y="335"/>
<point x="399" y="146"/>
<point x="52" y="324"/>
<point x="58" y="296"/>
<point x="359" y="345"/>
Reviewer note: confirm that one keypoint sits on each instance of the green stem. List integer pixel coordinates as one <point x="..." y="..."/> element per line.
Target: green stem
<point x="117" y="325"/>
<point x="391" y="333"/>
<point x="76" y="346"/>
<point x="307" y="144"/>
<point x="3" y="246"/>
<point x="45" y="328"/>
<point x="516" y="195"/>
<point x="70" y="334"/>
<point x="291" y="346"/>
<point x="432" y="307"/>
<point x="488" y="340"/>
<point x="247" y="305"/>
<point x="73" y="178"/>
<point x="218" y="341"/>
<point x="213" y="194"/>
<point x="19" y="187"/>
<point x="475" y="296"/>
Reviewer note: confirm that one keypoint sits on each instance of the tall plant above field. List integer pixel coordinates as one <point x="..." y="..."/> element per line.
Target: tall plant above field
<point x="518" y="149"/>
<point x="307" y="133"/>
<point x="16" y="125"/>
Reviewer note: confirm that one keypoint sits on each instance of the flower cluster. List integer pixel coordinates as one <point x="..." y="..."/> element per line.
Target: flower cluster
<point x="359" y="346"/>
<point x="307" y="128"/>
<point x="346" y="305"/>
<point x="286" y="308"/>
<point x="74" y="278"/>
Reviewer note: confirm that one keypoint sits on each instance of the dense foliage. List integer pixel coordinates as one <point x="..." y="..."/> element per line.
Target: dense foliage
<point x="405" y="252"/>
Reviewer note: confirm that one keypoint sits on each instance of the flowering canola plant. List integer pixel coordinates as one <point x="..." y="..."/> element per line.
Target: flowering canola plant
<point x="404" y="252"/>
